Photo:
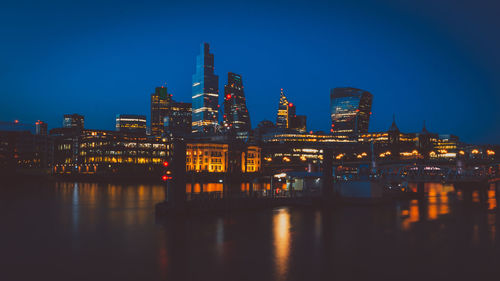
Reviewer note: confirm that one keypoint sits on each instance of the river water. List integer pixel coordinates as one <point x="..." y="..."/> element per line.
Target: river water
<point x="99" y="231"/>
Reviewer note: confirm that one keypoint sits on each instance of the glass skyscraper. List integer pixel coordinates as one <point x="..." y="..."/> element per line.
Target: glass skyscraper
<point x="205" y="93"/>
<point x="236" y="117"/>
<point x="350" y="111"/>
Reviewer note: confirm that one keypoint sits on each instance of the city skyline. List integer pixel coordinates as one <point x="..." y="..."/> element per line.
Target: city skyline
<point x="403" y="89"/>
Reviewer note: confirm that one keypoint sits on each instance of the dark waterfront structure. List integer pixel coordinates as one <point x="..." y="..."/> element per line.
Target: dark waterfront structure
<point x="236" y="117"/>
<point x="350" y="111"/>
<point x="73" y="121"/>
<point x="22" y="152"/>
<point x="131" y="123"/>
<point x="41" y="128"/>
<point x="205" y="93"/>
<point x="178" y="122"/>
<point x="160" y="104"/>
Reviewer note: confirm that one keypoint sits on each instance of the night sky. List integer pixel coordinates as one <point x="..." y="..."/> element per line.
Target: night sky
<point x="427" y="59"/>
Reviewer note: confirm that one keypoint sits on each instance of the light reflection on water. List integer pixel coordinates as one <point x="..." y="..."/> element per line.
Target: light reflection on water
<point x="113" y="223"/>
<point x="281" y="231"/>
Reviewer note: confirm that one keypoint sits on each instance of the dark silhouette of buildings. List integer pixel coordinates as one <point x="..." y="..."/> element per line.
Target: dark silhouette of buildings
<point x="236" y="117"/>
<point x="205" y="93"/>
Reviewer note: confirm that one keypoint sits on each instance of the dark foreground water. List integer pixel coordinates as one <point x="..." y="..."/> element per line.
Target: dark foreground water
<point x="82" y="231"/>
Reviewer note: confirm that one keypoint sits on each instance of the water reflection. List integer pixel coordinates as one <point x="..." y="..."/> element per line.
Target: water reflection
<point x="219" y="187"/>
<point x="281" y="231"/>
<point x="96" y="228"/>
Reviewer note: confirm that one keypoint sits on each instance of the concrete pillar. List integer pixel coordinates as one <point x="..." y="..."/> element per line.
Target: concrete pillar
<point x="327" y="179"/>
<point x="178" y="182"/>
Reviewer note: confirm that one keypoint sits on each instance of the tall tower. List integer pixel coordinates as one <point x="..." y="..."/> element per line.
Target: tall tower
<point x="160" y="104"/>
<point x="350" y="111"/>
<point x="283" y="111"/>
<point x="205" y="93"/>
<point x="236" y="117"/>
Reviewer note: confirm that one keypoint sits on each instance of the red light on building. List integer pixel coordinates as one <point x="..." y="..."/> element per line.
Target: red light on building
<point x="165" y="164"/>
<point x="164" y="177"/>
<point x="228" y="96"/>
<point x="370" y="113"/>
<point x="290" y="104"/>
<point x="357" y="110"/>
<point x="16" y="121"/>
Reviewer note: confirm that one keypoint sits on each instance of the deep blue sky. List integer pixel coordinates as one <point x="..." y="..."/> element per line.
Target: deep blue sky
<point x="427" y="59"/>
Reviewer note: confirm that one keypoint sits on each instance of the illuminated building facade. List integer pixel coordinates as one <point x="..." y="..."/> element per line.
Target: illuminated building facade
<point x="108" y="152"/>
<point x="250" y="160"/>
<point x="205" y="93"/>
<point x="236" y="117"/>
<point x="206" y="157"/>
<point x="350" y="111"/>
<point x="73" y="121"/>
<point x="285" y="110"/>
<point x="214" y="158"/>
<point x="160" y="105"/>
<point x="178" y="121"/>
<point x="131" y="123"/>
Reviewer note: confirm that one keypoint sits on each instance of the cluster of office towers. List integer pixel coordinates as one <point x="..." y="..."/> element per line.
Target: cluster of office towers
<point x="350" y="108"/>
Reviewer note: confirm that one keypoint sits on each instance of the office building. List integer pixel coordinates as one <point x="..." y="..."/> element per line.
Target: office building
<point x="236" y="117"/>
<point x="283" y="111"/>
<point x="205" y="93"/>
<point x="178" y="122"/>
<point x="160" y="104"/>
<point x="350" y="111"/>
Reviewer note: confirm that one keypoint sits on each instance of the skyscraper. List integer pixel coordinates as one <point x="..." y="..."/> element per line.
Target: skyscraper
<point x="350" y="111"/>
<point x="283" y="111"/>
<point x="236" y="117"/>
<point x="205" y="93"/>
<point x="131" y="123"/>
<point x="160" y="103"/>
